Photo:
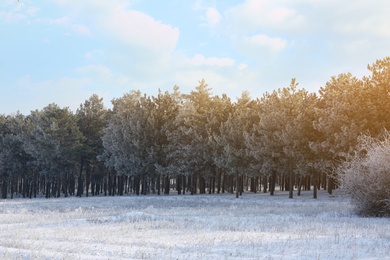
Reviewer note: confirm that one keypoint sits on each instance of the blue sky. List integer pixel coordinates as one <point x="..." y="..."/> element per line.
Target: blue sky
<point x="63" y="51"/>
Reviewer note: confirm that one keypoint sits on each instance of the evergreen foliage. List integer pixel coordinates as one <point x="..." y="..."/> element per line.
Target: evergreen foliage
<point x="195" y="142"/>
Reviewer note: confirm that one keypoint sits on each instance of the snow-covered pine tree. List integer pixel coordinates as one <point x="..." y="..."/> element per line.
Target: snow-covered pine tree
<point x="92" y="118"/>
<point x="162" y="120"/>
<point x="341" y="116"/>
<point x="128" y="139"/>
<point x="189" y="147"/>
<point x="234" y="159"/>
<point x="55" y="144"/>
<point x="14" y="162"/>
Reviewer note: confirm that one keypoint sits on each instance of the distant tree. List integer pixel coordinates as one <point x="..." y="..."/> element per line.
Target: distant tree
<point x="280" y="141"/>
<point x="14" y="162"/>
<point x="343" y="113"/>
<point x="219" y="110"/>
<point x="92" y="118"/>
<point x="162" y="121"/>
<point x="129" y="137"/>
<point x="181" y="148"/>
<point x="377" y="97"/>
<point x="188" y="142"/>
<point x="234" y="159"/>
<point x="55" y="144"/>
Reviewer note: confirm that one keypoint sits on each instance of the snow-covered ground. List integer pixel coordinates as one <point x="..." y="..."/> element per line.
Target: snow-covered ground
<point x="255" y="226"/>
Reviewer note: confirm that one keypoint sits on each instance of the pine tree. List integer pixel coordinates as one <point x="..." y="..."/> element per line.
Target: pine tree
<point x="341" y="116"/>
<point x="92" y="118"/>
<point x="234" y="159"/>
<point x="14" y="162"/>
<point x="55" y="144"/>
<point x="166" y="107"/>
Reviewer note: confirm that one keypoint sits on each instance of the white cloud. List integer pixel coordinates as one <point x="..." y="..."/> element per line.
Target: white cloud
<point x="103" y="76"/>
<point x="137" y="28"/>
<point x="343" y="18"/>
<point x="264" y="41"/>
<point x="66" y="23"/>
<point x="14" y="11"/>
<point x="117" y="21"/>
<point x="101" y="70"/>
<point x="213" y="17"/>
<point x="255" y="14"/>
<point x="11" y="16"/>
<point x="96" y="53"/>
<point x="242" y="66"/>
<point x="200" y="60"/>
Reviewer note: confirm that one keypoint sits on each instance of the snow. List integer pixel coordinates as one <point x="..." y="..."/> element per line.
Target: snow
<point x="255" y="226"/>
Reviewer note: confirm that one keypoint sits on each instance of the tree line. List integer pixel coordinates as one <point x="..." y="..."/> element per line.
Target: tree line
<point x="192" y="143"/>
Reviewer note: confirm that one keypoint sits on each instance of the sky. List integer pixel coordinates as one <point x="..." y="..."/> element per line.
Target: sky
<point x="63" y="51"/>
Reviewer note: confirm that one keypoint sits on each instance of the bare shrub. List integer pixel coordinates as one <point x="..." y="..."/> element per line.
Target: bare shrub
<point x="366" y="176"/>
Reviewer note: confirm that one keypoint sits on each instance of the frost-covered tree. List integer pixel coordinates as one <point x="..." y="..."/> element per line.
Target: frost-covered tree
<point x="179" y="147"/>
<point x="163" y="115"/>
<point x="377" y="96"/>
<point x="280" y="141"/>
<point x="55" y="143"/>
<point x="219" y="110"/>
<point x="347" y="108"/>
<point x="339" y="116"/>
<point x="92" y="118"/>
<point x="365" y="176"/>
<point x="189" y="141"/>
<point x="298" y="133"/>
<point x="129" y="138"/>
<point x="14" y="162"/>
<point x="234" y="159"/>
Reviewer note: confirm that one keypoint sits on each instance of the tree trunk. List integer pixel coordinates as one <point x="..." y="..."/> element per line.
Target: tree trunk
<point x="299" y="185"/>
<point x="194" y="182"/>
<point x="179" y="184"/>
<point x="308" y="182"/>
<point x="12" y="187"/>
<point x="4" y="190"/>
<point x="219" y="177"/>
<point x="48" y="185"/>
<point x="202" y="185"/>
<point x="58" y="186"/>
<point x="231" y="184"/>
<point x="330" y="184"/>
<point x="145" y="188"/>
<point x="265" y="183"/>
<point x="223" y="182"/>
<point x="241" y="184"/>
<point x="323" y="181"/>
<point x="158" y="184"/>
<point x="272" y="182"/>
<point x="253" y="185"/>
<point x="290" y="183"/>
<point x="184" y="183"/>
<point x="80" y="179"/>
<point x="166" y="185"/>
<point x="87" y="178"/>
<point x="120" y="185"/>
<point x="237" y="186"/>
<point x="136" y="185"/>
<point x="315" y="178"/>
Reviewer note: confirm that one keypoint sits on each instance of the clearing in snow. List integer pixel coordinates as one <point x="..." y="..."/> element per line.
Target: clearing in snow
<point x="255" y="226"/>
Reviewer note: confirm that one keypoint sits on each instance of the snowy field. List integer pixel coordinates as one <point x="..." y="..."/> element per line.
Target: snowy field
<point x="255" y="226"/>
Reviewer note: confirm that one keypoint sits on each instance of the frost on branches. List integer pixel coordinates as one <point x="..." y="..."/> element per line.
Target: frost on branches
<point x="366" y="176"/>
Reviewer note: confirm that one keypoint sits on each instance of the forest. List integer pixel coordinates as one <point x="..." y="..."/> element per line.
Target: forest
<point x="195" y="143"/>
